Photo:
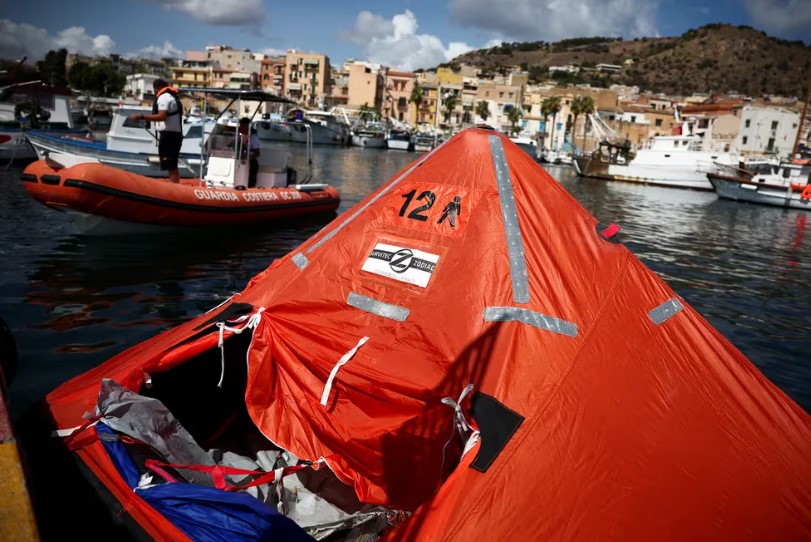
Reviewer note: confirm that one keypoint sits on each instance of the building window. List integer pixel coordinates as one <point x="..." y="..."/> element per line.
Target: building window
<point x="747" y="123"/>
<point x="633" y="118"/>
<point x="774" y="125"/>
<point x="770" y="146"/>
<point x="658" y="122"/>
<point x="745" y="140"/>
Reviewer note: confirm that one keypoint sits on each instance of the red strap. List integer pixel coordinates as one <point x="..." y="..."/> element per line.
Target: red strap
<point x="611" y="231"/>
<point x="70" y="440"/>
<point x="218" y="473"/>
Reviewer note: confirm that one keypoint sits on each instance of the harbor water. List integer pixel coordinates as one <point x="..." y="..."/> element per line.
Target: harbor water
<point x="73" y="302"/>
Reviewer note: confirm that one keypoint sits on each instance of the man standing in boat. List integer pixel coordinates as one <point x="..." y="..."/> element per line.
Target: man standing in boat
<point x="249" y="145"/>
<point x="167" y="110"/>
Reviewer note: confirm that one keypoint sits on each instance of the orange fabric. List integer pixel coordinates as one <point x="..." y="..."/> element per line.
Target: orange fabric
<point x="632" y="430"/>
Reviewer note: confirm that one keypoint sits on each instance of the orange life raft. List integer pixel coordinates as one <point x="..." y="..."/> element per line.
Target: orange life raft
<point x="107" y="192"/>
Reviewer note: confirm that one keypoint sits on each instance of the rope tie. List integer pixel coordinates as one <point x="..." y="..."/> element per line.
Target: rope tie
<point x="252" y="323"/>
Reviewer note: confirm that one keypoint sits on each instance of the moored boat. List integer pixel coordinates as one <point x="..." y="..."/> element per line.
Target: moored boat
<point x="129" y="145"/>
<point x="105" y="200"/>
<point x="785" y="185"/>
<point x="382" y="379"/>
<point x="675" y="161"/>
<point x="399" y="140"/>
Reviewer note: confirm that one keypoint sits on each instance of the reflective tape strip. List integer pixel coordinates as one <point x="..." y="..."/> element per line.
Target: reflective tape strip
<point x="334" y="372"/>
<point x="380" y="308"/>
<point x="531" y="318"/>
<point x="665" y="311"/>
<point x="515" y="243"/>
<point x="300" y="260"/>
<point x="379" y="195"/>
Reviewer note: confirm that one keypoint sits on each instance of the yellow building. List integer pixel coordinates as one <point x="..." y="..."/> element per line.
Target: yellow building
<point x="191" y="76"/>
<point x="446" y="76"/>
<point x="307" y="78"/>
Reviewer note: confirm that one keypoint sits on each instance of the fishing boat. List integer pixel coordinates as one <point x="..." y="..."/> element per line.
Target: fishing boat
<point x="370" y="134"/>
<point x="129" y="145"/>
<point x="528" y="145"/>
<point x="424" y="141"/>
<point x="318" y="128"/>
<point x="106" y="200"/>
<point x="21" y="106"/>
<point x="787" y="185"/>
<point x="399" y="140"/>
<point x="383" y="379"/>
<point x="274" y="128"/>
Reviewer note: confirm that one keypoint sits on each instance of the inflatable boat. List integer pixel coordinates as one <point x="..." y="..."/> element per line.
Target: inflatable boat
<point x="103" y="200"/>
<point x="466" y="354"/>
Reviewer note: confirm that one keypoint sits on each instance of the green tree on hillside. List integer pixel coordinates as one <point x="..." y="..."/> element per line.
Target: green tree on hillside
<point x="52" y="68"/>
<point x="99" y="79"/>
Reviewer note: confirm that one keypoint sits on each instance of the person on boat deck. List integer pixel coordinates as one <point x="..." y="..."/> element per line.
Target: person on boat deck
<point x="167" y="110"/>
<point x="249" y="136"/>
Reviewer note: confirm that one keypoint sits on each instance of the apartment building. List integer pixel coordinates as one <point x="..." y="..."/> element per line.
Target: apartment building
<point x="396" y="102"/>
<point x="366" y="85"/>
<point x="271" y="78"/>
<point x="307" y="78"/>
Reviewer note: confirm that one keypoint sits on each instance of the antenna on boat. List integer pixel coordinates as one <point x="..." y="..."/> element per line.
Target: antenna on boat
<point x="801" y="123"/>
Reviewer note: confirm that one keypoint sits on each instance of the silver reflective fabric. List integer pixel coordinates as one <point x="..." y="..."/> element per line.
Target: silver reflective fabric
<point x="380" y="308"/>
<point x="665" y="311"/>
<point x="531" y="318"/>
<point x="379" y="195"/>
<point x="300" y="260"/>
<point x="515" y="243"/>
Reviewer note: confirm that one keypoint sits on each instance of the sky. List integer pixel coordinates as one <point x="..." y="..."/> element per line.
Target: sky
<point x="404" y="34"/>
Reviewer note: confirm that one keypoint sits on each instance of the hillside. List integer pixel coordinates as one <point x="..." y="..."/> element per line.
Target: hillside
<point x="716" y="58"/>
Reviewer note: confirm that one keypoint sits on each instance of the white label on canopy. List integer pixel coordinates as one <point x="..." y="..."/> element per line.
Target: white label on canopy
<point x="404" y="264"/>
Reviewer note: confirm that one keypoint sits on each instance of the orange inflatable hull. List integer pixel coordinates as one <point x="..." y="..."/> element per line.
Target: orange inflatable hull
<point x="106" y="192"/>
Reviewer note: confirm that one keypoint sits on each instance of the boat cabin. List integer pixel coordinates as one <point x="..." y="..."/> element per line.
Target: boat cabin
<point x="141" y="136"/>
<point x="229" y="165"/>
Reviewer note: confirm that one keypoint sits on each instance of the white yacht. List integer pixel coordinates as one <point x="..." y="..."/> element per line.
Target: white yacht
<point x="399" y="140"/>
<point x="784" y="184"/>
<point x="678" y="161"/>
<point x="54" y="102"/>
<point x="273" y="127"/>
<point x="321" y="127"/>
<point x="370" y="135"/>
<point x="130" y="145"/>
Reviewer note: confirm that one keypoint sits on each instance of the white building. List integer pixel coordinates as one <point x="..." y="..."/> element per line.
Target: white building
<point x="768" y="130"/>
<point x="139" y="86"/>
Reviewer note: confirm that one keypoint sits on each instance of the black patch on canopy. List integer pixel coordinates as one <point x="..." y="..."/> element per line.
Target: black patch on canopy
<point x="497" y="424"/>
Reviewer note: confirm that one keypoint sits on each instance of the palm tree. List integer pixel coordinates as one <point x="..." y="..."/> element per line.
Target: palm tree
<point x="514" y="114"/>
<point x="586" y="109"/>
<point x="551" y="106"/>
<point x="450" y="103"/>
<point x="483" y="110"/>
<point x="416" y="99"/>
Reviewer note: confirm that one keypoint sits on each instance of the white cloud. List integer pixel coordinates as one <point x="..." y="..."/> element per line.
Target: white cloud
<point x="273" y="51"/>
<point x="157" y="52"/>
<point x="781" y="16"/>
<point x="552" y="20"/>
<point x="223" y="12"/>
<point x="396" y="43"/>
<point x="21" y="39"/>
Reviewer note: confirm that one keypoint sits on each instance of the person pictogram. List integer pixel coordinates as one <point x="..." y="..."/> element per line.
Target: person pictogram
<point x="451" y="211"/>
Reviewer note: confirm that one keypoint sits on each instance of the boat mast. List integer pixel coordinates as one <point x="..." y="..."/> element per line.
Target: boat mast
<point x="800" y="124"/>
